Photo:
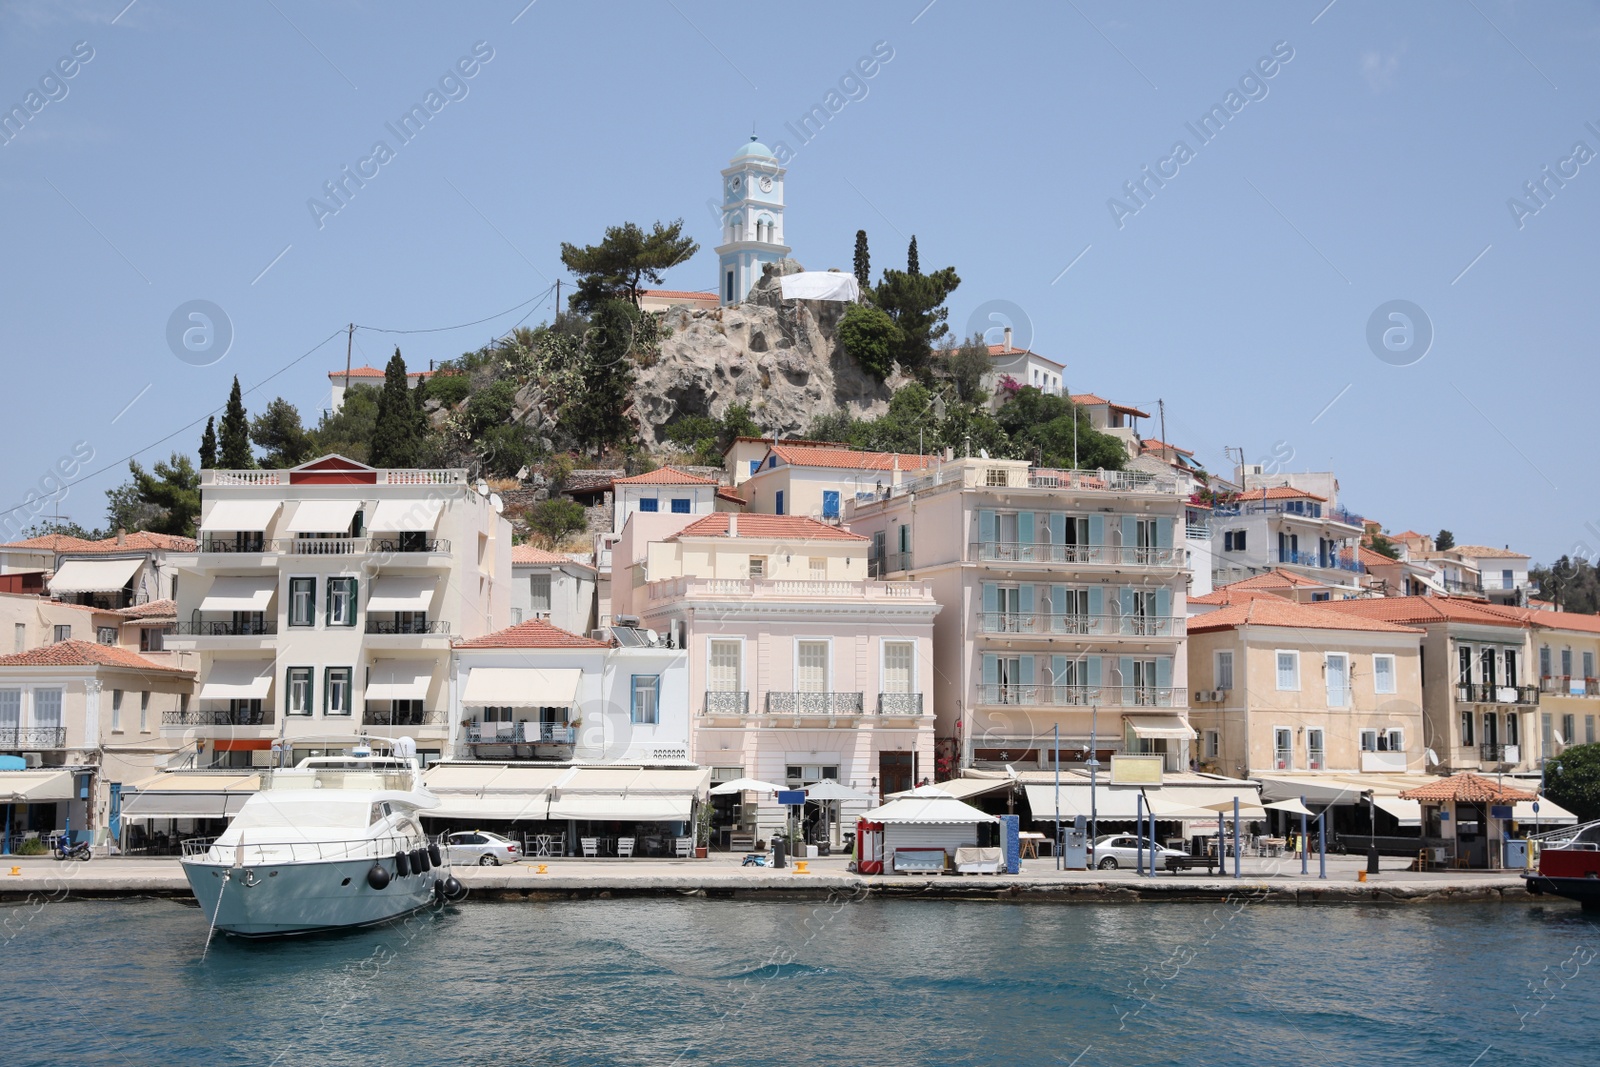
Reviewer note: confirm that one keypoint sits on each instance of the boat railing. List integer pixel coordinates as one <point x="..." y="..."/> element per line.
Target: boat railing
<point x="338" y="778"/>
<point x="250" y="852"/>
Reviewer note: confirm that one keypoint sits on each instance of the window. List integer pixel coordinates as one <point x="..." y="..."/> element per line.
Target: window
<point x="1314" y="753"/>
<point x="1569" y="730"/>
<point x="116" y="710"/>
<point x="302" y="601"/>
<point x="830" y="503"/>
<point x="1491" y="728"/>
<point x="799" y="776"/>
<point x="144" y="712"/>
<point x="106" y="635"/>
<point x="1588" y="729"/>
<point x="755" y="465"/>
<point x="19" y="637"/>
<point x="819" y="568"/>
<point x="1506" y="581"/>
<point x="1233" y="541"/>
<point x="298" y="691"/>
<point x="1224" y="670"/>
<point x="341" y="601"/>
<point x="1213" y="745"/>
<point x="1369" y="740"/>
<point x="10" y="713"/>
<point x="1546" y="733"/>
<point x="899" y="659"/>
<point x="1466" y="727"/>
<point x="47" y="708"/>
<point x="539" y="592"/>
<point x="1383" y="674"/>
<point x="646" y="698"/>
<point x="778" y="507"/>
<point x="1511" y="667"/>
<point x="727" y="296"/>
<point x="811" y="666"/>
<point x="1487" y="666"/>
<point x="63" y="633"/>
<point x="1338" y="679"/>
<point x="1288" y="671"/>
<point x="1464" y="664"/>
<point x="725" y="676"/>
<point x="994" y="476"/>
<point x="1513" y="728"/>
<point x="153" y="638"/>
<point x="680" y="505"/>
<point x="1588" y="664"/>
<point x="772" y="462"/>
<point x="1283" y="748"/>
<point x="650" y="504"/>
<point x="336" y="697"/>
<point x="1544" y="661"/>
<point x="1391" y="741"/>
<point x="1317" y="598"/>
<point x="758" y="567"/>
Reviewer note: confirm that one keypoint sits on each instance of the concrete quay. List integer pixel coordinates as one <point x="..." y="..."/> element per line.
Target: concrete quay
<point x="721" y="877"/>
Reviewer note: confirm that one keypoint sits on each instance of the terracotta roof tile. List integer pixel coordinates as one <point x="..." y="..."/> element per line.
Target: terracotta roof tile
<point x="53" y="542"/>
<point x="534" y="554"/>
<point x="1276" y="579"/>
<point x="1278" y="492"/>
<point x="155" y="609"/>
<point x="535" y="633"/>
<point x="664" y="476"/>
<point x="1230" y="594"/>
<point x="1422" y="609"/>
<point x="1469" y="789"/>
<point x="1275" y="611"/>
<point x="679" y="294"/>
<point x="793" y="527"/>
<point x="849" y="458"/>
<point x="1487" y="552"/>
<point x="725" y="493"/>
<point x="375" y="372"/>
<point x="85" y="654"/>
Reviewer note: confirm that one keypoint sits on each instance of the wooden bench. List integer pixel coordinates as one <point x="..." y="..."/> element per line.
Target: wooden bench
<point x="1187" y="863"/>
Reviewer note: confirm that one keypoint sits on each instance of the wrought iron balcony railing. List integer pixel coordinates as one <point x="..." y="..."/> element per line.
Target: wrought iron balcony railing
<point x="1083" y="696"/>
<point x="899" y="703"/>
<point x="401" y="717"/>
<point x="1030" y="552"/>
<point x="814" y="703"/>
<point x="727" y="702"/>
<point x="324" y="546"/>
<point x="227" y="627"/>
<point x="1481" y="693"/>
<point x="521" y="733"/>
<point x="406" y="626"/>
<point x="1053" y="625"/>
<point x="29" y="737"/>
<point x="218" y="717"/>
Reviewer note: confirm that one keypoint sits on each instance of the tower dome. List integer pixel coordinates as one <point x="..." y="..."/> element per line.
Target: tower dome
<point x="754" y="149"/>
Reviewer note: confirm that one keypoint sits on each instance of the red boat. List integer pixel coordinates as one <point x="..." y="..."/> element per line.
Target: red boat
<point x="1569" y="866"/>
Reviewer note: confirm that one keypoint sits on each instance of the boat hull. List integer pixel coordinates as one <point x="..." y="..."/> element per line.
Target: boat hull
<point x="285" y="899"/>
<point x="1585" y="891"/>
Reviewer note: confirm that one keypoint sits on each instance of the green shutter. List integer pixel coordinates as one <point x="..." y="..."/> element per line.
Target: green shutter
<point x="986" y="526"/>
<point x="991" y="598"/>
<point x="1026" y="667"/>
<point x="1164" y="672"/>
<point x="1025" y="527"/>
<point x="991" y="670"/>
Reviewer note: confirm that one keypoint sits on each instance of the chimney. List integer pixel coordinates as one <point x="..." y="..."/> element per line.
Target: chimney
<point x="1008" y="338"/>
<point x="733" y="524"/>
<point x="122" y="535"/>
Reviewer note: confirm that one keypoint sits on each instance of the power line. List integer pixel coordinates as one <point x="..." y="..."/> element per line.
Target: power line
<point x="464" y="325"/>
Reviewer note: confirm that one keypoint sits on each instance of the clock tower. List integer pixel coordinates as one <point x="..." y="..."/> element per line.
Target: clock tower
<point x="752" y="220"/>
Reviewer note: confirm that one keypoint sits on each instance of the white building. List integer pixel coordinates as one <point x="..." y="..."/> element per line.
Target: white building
<point x="553" y="587"/>
<point x="752" y="220"/>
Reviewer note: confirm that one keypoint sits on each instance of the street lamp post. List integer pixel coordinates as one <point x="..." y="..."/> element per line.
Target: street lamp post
<point x="1370" y="797"/>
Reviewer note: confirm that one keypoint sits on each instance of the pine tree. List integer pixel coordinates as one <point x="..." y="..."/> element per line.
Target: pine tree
<point x="863" y="262"/>
<point x="208" y="445"/>
<point x="396" y="437"/>
<point x="236" y="454"/>
<point x="913" y="265"/>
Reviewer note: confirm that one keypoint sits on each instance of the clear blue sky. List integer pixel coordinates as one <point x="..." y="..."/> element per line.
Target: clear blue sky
<point x="176" y="164"/>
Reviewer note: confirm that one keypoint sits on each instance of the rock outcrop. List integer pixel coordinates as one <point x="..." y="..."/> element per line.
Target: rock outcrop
<point x="781" y="358"/>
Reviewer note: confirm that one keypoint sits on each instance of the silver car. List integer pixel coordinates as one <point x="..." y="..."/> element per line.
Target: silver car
<point x="1122" y="850"/>
<point x="481" y="847"/>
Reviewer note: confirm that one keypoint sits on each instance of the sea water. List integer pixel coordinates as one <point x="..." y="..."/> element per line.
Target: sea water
<point x="841" y="981"/>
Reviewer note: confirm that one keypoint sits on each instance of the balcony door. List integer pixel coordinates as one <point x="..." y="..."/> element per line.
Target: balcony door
<point x="725" y="673"/>
<point x="1282" y="749"/>
<point x="10" y="717"/>
<point x="1338" y="679"/>
<point x="1011" y="683"/>
<point x="898" y="657"/>
<point x="1315" y="759"/>
<point x="1144" y="683"/>
<point x="811" y="666"/>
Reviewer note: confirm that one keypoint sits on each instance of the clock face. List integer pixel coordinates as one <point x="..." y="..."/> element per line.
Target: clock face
<point x="733" y="183"/>
<point x="766" y="185"/>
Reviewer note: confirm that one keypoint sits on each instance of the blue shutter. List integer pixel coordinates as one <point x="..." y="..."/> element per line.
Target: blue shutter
<point x="1058" y="670"/>
<point x="991" y="598"/>
<point x="780" y="503"/>
<point x="1163" y="672"/>
<point x="633" y="698"/>
<point x="1058" y="603"/>
<point x="1025" y="527"/>
<point x="830" y="503"/>
<point x="1164" y="603"/>
<point x="1125" y="668"/>
<point x="1125" y="599"/>
<point x="1025" y="599"/>
<point x="755" y="465"/>
<point x="1164" y="532"/>
<point x="1097" y="529"/>
<point x="986" y="526"/>
<point x="1097" y="600"/>
<point x="1130" y="532"/>
<point x="991" y="670"/>
<point x="1093" y="678"/>
<point x="1027" y="670"/>
<point x="1058" y="528"/>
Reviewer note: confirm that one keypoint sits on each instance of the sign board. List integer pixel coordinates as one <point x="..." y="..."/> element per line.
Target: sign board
<point x="792" y="797"/>
<point x="1136" y="770"/>
<point x="1536" y="807"/>
<point x="1500" y="811"/>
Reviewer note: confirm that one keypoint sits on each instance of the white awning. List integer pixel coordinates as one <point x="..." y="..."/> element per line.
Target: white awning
<point x="629" y="794"/>
<point x="928" y="811"/>
<point x="35" y="787"/>
<point x="182" y="805"/>
<point x="401" y="594"/>
<point x="1121" y="804"/>
<point x="406" y="516"/>
<point x="238" y="680"/>
<point x="1170" y="727"/>
<point x="532" y="807"/>
<point x="240" y="515"/>
<point x="1549" y="812"/>
<point x="323" y="516"/>
<point x="240" y="594"/>
<point x="400" y="680"/>
<point x="1409" y="812"/>
<point x="521" y="687"/>
<point x="491" y="790"/>
<point x="93" y="575"/>
<point x="1293" y="807"/>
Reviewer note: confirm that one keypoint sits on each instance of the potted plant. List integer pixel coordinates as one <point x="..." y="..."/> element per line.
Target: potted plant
<point x="702" y="831"/>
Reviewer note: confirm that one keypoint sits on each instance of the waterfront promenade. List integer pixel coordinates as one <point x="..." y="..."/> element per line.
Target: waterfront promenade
<point x="1266" y="881"/>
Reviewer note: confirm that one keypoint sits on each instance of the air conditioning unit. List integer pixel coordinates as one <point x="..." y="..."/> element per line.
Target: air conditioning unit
<point x="33" y="759"/>
<point x="1209" y="696"/>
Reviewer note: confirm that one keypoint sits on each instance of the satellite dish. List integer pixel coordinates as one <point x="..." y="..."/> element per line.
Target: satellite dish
<point x="483" y="487"/>
<point x="1010" y="770"/>
<point x="522" y="472"/>
<point x="983" y="453"/>
<point x="496" y="503"/>
<point x="654" y="638"/>
<point x="1433" y="758"/>
<point x="405" y="747"/>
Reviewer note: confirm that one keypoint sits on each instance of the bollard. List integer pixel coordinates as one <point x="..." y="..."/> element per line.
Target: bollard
<point x="1361" y="876"/>
<point x="542" y="869"/>
<point x="15" y="871"/>
<point x="800" y="866"/>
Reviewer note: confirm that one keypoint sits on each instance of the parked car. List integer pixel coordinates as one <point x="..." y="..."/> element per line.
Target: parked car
<point x="1122" y="850"/>
<point x="481" y="847"/>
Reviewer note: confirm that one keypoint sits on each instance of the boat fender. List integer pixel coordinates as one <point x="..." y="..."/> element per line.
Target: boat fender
<point x="402" y="864"/>
<point x="453" y="889"/>
<point x="434" y="856"/>
<point x="419" y="860"/>
<point x="378" y="876"/>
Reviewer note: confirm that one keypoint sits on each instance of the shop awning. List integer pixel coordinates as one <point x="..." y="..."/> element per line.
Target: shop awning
<point x="1121" y="804"/>
<point x="238" y="680"/>
<point x="521" y="687"/>
<point x="1409" y="812"/>
<point x="1169" y="727"/>
<point x="406" y="516"/>
<point x="492" y="791"/>
<point x="189" y="796"/>
<point x="401" y="594"/>
<point x="1220" y="798"/>
<point x="240" y="515"/>
<point x="965" y="788"/>
<point x="240" y="594"/>
<point x="35" y="787"/>
<point x="1293" y="807"/>
<point x="323" y="516"/>
<point x="93" y="575"/>
<point x="619" y="794"/>
<point x="400" y="680"/>
<point x="1549" y="812"/>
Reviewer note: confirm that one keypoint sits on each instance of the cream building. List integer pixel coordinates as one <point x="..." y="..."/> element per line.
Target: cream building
<point x="553" y="587"/>
<point x="817" y="481"/>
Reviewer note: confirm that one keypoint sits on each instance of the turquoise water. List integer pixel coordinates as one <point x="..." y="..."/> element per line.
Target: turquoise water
<point x="660" y="982"/>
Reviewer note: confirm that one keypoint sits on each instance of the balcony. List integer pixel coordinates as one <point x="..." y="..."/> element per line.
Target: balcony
<point x="727" y="702"/>
<point x="227" y="628"/>
<point x="1565" y="686"/>
<point x="889" y="563"/>
<point x="773" y="589"/>
<point x="1460" y="585"/>
<point x="406" y="626"/>
<point x="1332" y="562"/>
<point x="900" y="704"/>
<point x="401" y="717"/>
<point x="976" y="474"/>
<point x="32" y="737"/>
<point x="1480" y="693"/>
<point x="218" y="717"/>
<point x="829" y="705"/>
<point x="521" y="733"/>
<point x="1493" y="752"/>
<point x="1045" y="624"/>
<point x="1082" y="696"/>
<point x="395" y="476"/>
<point x="325" y="546"/>
<point x="1090" y="555"/>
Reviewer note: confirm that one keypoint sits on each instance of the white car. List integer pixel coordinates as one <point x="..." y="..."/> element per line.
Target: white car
<point x="481" y="847"/>
<point x="1122" y="850"/>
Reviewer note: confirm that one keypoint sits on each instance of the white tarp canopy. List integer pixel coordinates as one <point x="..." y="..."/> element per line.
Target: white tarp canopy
<point x="928" y="811"/>
<point x="521" y="687"/>
<point x="323" y="516"/>
<point x="1409" y="812"/>
<point x="35" y="787"/>
<point x="406" y="516"/>
<point x="743" y="785"/>
<point x="237" y="680"/>
<point x="831" y="790"/>
<point x="1169" y="727"/>
<point x="93" y="575"/>
<point x="1293" y="807"/>
<point x="491" y="790"/>
<point x="401" y="594"/>
<point x="820" y="285"/>
<point x="240" y="515"/>
<point x="253" y="593"/>
<point x="400" y="680"/>
<point x="182" y="805"/>
<point x="960" y="788"/>
<point x="1549" y="812"/>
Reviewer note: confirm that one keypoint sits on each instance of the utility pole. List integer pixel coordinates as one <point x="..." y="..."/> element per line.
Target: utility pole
<point x="558" y="300"/>
<point x="1161" y="407"/>
<point x="349" y="339"/>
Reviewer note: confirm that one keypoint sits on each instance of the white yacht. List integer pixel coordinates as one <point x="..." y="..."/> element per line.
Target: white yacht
<point x="331" y="843"/>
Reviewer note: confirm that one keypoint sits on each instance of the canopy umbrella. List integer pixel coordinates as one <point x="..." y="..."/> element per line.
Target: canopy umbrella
<point x="1293" y="807"/>
<point x="826" y="792"/>
<point x="924" y="791"/>
<point x="743" y="785"/>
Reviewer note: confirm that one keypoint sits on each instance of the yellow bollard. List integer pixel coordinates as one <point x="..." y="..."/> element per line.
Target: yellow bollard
<point x="15" y="871"/>
<point x="542" y="868"/>
<point x="799" y="866"/>
<point x="1361" y="876"/>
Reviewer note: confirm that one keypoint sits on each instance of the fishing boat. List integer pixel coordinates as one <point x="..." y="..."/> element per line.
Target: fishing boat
<point x="331" y="843"/>
<point x="1569" y="865"/>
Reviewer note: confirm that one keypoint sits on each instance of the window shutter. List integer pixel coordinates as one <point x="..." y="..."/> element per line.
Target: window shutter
<point x="1027" y="670"/>
<point x="1025" y="599"/>
<point x="1025" y="527"/>
<point x="1058" y="528"/>
<point x="1164" y="532"/>
<point x="1130" y="533"/>
<point x="1164" y="603"/>
<point x="1058" y="600"/>
<point x="1097" y="529"/>
<point x="991" y="598"/>
<point x="1058" y="670"/>
<point x="1164" y="672"/>
<point x="633" y="699"/>
<point x="1125" y="598"/>
<point x="1125" y="669"/>
<point x="1097" y="601"/>
<point x="1093" y="679"/>
<point x="986" y="526"/>
<point x="991" y="670"/>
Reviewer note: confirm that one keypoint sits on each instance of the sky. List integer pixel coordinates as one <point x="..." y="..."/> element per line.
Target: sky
<point x="1369" y="153"/>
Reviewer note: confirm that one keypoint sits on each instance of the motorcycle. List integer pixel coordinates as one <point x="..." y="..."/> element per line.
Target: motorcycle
<point x="67" y="850"/>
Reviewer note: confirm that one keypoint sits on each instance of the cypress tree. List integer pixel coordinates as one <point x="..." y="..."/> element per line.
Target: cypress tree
<point x="236" y="454"/>
<point x="208" y="445"/>
<point x="863" y="262"/>
<point x="396" y="440"/>
<point x="913" y="265"/>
